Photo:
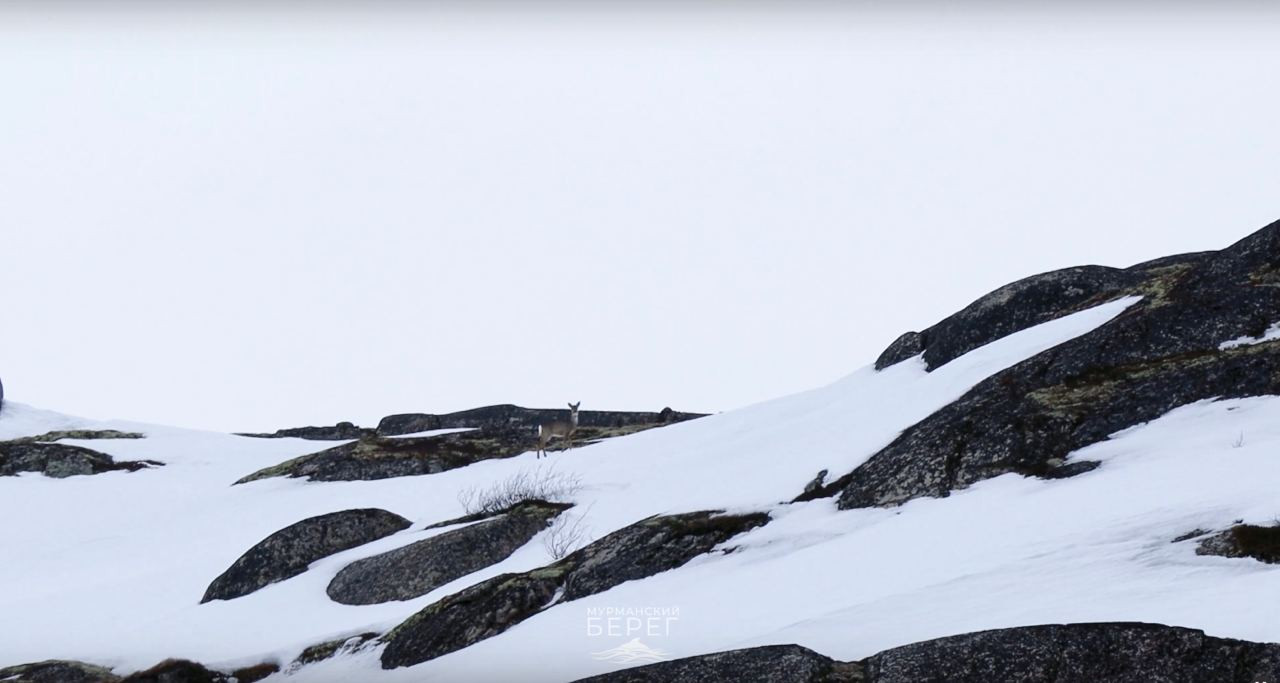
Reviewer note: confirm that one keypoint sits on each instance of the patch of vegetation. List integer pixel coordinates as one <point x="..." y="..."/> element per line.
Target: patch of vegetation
<point x="542" y="484"/>
<point x="325" y="650"/>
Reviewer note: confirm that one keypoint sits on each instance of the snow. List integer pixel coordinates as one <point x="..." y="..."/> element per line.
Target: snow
<point x="110" y="568"/>
<point x="1271" y="334"/>
<point x="429" y="432"/>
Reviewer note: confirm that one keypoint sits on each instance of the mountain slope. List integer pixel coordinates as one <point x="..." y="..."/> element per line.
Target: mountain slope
<point x="112" y="567"/>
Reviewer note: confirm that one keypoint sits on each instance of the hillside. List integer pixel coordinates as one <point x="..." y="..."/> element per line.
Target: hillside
<point x="1091" y="452"/>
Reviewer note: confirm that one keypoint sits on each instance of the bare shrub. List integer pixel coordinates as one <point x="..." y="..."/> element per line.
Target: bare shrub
<point x="1238" y="443"/>
<point x="567" y="534"/>
<point x="542" y="483"/>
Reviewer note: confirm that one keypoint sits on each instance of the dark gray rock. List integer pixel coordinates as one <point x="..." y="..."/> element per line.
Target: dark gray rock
<point x="339" y="432"/>
<point x="908" y="345"/>
<point x="419" y="568"/>
<point x="508" y="416"/>
<point x="486" y="609"/>
<point x="1160" y="354"/>
<point x="60" y="460"/>
<point x="770" y="664"/>
<point x="289" y="552"/>
<point x="255" y="673"/>
<point x="1013" y="307"/>
<point x="328" y="649"/>
<point x="382" y="458"/>
<point x="1092" y="653"/>
<point x="57" y="671"/>
<point x="177" y="671"/>
<point x="1261" y="543"/>
<point x="498" y="432"/>
<point x="84" y="434"/>
<point x="1076" y="653"/>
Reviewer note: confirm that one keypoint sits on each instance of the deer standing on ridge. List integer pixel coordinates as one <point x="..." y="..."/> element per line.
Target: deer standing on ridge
<point x="560" y="428"/>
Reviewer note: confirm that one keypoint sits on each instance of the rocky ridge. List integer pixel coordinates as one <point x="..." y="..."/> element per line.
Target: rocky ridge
<point x="1197" y="333"/>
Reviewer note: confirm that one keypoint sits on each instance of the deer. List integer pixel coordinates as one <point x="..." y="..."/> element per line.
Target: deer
<point x="560" y="428"/>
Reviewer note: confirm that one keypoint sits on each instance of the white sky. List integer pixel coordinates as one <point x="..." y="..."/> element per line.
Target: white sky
<point x="257" y="219"/>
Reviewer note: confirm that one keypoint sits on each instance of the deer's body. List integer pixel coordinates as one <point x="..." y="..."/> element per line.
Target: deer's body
<point x="561" y="428"/>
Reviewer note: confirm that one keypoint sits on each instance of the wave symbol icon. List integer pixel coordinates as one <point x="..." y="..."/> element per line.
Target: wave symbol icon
<point x="631" y="652"/>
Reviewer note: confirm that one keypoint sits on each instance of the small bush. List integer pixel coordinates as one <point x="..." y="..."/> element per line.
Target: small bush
<point x="566" y="535"/>
<point x="543" y="484"/>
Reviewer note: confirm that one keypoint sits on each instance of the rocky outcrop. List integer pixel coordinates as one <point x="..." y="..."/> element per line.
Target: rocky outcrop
<point x="515" y="417"/>
<point x="488" y="608"/>
<point x="769" y="664"/>
<point x="1163" y="352"/>
<point x="1261" y="543"/>
<point x="57" y="671"/>
<point x="61" y="460"/>
<point x="41" y="454"/>
<point x="1076" y="653"/>
<point x="421" y="567"/>
<point x="497" y="432"/>
<point x="1025" y="303"/>
<point x="328" y="649"/>
<point x="339" y="432"/>
<point x="288" y="552"/>
<point x="177" y="671"/>
<point x="253" y="674"/>
<point x="82" y="434"/>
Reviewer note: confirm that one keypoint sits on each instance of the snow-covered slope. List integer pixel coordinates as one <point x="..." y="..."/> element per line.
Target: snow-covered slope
<point x="110" y="568"/>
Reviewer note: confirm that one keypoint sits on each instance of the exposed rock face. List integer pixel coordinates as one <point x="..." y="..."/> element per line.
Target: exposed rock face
<point x="498" y="432"/>
<point x="770" y="664"/>
<point x="288" y="552"/>
<point x="1161" y="353"/>
<point x="488" y="608"/>
<point x="1025" y="303"/>
<point x="60" y="460"/>
<point x="1116" y="653"/>
<point x="510" y="417"/>
<point x="325" y="650"/>
<point x="908" y="345"/>
<point x="57" y="671"/>
<point x="253" y="674"/>
<point x="1076" y="653"/>
<point x="339" y="432"/>
<point x="1261" y="543"/>
<point x="177" y="671"/>
<point x="419" y="568"/>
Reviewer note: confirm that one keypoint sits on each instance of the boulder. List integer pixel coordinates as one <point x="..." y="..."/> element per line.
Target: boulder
<point x="1261" y="543"/>
<point x="289" y="552"/>
<point x="61" y="460"/>
<point x="1163" y="352"/>
<point x="490" y="607"/>
<point x="177" y="671"/>
<point x="419" y="568"/>
<point x="1075" y="653"/>
<point x="57" y="671"/>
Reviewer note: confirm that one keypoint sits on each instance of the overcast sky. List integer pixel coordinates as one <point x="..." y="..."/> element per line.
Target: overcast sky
<point x="250" y="219"/>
